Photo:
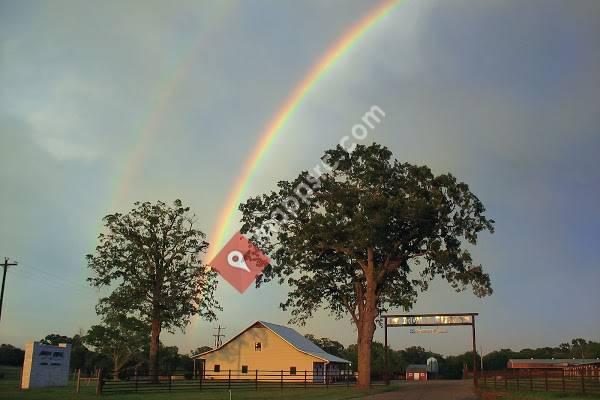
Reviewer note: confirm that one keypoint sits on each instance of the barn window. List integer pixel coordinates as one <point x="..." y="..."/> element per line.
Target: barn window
<point x="257" y="346"/>
<point x="292" y="370"/>
<point x="244" y="369"/>
<point x="217" y="368"/>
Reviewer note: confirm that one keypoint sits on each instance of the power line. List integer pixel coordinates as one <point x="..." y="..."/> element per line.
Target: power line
<point x="57" y="277"/>
<point x="32" y="277"/>
<point x="5" y="266"/>
<point x="218" y="336"/>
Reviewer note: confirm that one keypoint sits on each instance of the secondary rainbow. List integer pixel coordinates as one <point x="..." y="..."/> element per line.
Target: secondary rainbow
<point x="277" y="123"/>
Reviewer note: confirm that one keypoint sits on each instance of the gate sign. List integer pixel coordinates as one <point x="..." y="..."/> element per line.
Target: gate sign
<point x="433" y="331"/>
<point x="431" y="320"/>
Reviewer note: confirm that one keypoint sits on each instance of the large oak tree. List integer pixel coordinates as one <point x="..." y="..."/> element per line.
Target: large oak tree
<point x="150" y="259"/>
<point x="365" y="236"/>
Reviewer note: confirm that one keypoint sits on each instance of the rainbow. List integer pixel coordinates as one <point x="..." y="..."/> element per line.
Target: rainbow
<point x="278" y="122"/>
<point x="166" y="89"/>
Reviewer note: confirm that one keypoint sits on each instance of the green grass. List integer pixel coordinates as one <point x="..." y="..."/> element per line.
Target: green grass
<point x="514" y="395"/>
<point x="9" y="390"/>
<point x="9" y="372"/>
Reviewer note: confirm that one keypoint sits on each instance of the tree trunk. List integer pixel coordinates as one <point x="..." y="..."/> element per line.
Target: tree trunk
<point x="365" y="341"/>
<point x="154" y="345"/>
<point x="367" y="308"/>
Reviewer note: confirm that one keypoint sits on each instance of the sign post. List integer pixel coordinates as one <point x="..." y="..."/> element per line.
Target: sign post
<point x="420" y="320"/>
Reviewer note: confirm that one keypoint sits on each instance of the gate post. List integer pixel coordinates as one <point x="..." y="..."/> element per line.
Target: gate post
<point x="386" y="373"/>
<point x="256" y="380"/>
<point x="347" y="377"/>
<point x="304" y="379"/>
<point x="281" y="383"/>
<point x="78" y="380"/>
<point x="474" y="351"/>
<point x="99" y="382"/>
<point x="201" y="375"/>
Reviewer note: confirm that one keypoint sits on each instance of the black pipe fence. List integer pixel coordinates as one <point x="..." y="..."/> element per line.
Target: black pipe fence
<point x="580" y="380"/>
<point x="224" y="380"/>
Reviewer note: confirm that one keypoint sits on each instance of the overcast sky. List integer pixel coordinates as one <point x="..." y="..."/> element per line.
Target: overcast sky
<point x="503" y="94"/>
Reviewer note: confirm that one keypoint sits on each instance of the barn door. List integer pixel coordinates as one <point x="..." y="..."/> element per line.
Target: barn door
<point x="318" y="372"/>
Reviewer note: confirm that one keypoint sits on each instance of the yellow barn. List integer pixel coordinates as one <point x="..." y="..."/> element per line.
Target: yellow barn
<point x="263" y="350"/>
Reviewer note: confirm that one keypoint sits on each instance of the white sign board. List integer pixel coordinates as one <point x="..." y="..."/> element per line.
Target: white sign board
<point x="431" y="320"/>
<point x="45" y="365"/>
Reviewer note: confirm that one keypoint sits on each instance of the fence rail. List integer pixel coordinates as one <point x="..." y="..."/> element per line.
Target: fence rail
<point x="543" y="379"/>
<point x="227" y="379"/>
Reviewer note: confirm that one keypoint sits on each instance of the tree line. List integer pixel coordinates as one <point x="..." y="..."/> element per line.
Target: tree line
<point x="89" y="359"/>
<point x="451" y="367"/>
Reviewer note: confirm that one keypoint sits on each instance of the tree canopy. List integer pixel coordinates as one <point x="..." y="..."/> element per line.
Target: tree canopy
<point x="150" y="259"/>
<point x="121" y="338"/>
<point x="365" y="236"/>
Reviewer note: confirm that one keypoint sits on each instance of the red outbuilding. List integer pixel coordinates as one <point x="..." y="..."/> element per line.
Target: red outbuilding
<point x="416" y="372"/>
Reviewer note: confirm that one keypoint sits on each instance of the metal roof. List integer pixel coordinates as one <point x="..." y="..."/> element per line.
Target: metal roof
<point x="571" y="361"/>
<point x="416" y="367"/>
<point x="301" y="343"/>
<point x="293" y="338"/>
<point x="555" y="360"/>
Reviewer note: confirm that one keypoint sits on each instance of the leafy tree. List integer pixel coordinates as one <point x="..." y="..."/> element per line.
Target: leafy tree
<point x="54" y="339"/>
<point x="395" y="362"/>
<point x="329" y="345"/>
<point x="579" y="346"/>
<point x="121" y="338"/>
<point x="365" y="236"/>
<point x="186" y="363"/>
<point x="565" y="350"/>
<point x="497" y="360"/>
<point x="151" y="257"/>
<point x="200" y="350"/>
<point x="79" y="353"/>
<point x="11" y="355"/>
<point x="169" y="358"/>
<point x="414" y="355"/>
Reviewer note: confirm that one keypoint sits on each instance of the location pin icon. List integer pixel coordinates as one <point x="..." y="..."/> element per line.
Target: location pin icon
<point x="235" y="259"/>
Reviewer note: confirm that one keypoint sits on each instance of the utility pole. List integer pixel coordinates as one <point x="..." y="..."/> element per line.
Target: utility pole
<point x="5" y="265"/>
<point x="218" y="336"/>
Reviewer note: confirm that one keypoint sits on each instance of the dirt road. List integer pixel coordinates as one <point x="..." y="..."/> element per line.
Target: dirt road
<point x="432" y="390"/>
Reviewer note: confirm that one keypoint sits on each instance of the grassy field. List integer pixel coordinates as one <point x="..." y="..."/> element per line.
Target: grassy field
<point x="9" y="390"/>
<point x="492" y="395"/>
